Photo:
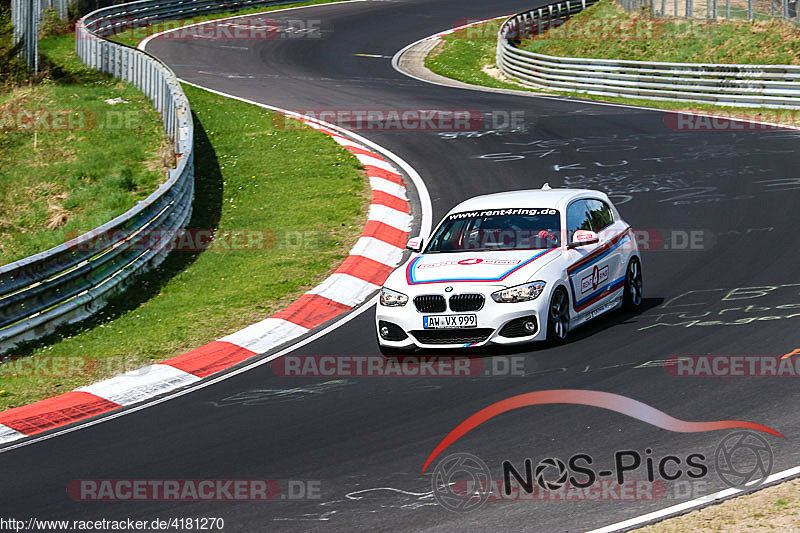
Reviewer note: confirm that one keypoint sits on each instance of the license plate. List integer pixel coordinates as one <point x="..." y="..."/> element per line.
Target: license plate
<point x="450" y="321"/>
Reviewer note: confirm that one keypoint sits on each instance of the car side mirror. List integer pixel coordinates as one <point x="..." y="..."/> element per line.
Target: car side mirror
<point x="415" y="244"/>
<point x="584" y="238"/>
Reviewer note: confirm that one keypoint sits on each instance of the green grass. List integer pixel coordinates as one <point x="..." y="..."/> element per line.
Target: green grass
<point x="133" y="36"/>
<point x="638" y="37"/>
<point x="465" y="56"/>
<point x="251" y="174"/>
<point x="57" y="182"/>
<point x="293" y="188"/>
<point x="684" y="41"/>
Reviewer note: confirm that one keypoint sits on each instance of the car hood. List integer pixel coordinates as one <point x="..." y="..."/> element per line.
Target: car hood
<point x="493" y="268"/>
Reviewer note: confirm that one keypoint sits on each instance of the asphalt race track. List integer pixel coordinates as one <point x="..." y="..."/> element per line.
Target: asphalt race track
<point x="365" y="440"/>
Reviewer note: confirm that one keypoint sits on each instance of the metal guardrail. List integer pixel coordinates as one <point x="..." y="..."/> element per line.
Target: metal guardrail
<point x="118" y="18"/>
<point x="772" y="86"/>
<point x="74" y="280"/>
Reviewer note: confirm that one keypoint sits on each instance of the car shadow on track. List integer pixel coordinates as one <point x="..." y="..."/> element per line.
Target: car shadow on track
<point x="602" y="323"/>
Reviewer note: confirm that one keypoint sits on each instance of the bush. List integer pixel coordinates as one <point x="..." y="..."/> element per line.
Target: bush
<point x="50" y="24"/>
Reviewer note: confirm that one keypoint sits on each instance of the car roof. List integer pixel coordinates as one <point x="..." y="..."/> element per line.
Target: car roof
<point x="533" y="198"/>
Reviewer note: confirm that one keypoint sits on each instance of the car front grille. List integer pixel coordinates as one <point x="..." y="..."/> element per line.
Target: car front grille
<point x="467" y="302"/>
<point x="453" y="336"/>
<point x="430" y="303"/>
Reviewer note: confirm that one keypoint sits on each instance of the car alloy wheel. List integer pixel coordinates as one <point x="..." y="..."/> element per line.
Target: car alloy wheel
<point x="634" y="286"/>
<point x="558" y="317"/>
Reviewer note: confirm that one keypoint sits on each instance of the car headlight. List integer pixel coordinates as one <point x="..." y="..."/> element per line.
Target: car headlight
<point x="391" y="298"/>
<point x="520" y="293"/>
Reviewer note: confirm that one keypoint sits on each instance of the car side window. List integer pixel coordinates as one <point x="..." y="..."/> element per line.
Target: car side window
<point x="600" y="215"/>
<point x="578" y="217"/>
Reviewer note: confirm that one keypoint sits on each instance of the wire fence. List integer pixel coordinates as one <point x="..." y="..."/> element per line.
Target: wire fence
<point x="717" y="10"/>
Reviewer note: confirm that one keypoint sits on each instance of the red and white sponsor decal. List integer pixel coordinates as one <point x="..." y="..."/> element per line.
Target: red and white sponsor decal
<point x="597" y="278"/>
<point x="190" y="490"/>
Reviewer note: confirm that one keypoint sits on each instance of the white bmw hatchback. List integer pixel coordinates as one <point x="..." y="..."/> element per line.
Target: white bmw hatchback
<point x="510" y="268"/>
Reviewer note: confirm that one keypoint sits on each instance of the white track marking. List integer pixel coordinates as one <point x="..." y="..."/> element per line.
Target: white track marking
<point x="691" y="504"/>
<point x="202" y="384"/>
<point x="377" y="250"/>
<point x="372" y="161"/>
<point x="390" y="217"/>
<point x="9" y="435"/>
<point x="265" y="335"/>
<point x="345" y="289"/>
<point x="352" y="495"/>
<point x="389" y="187"/>
<point x="368" y="247"/>
<point x="341" y="140"/>
<point x="132" y="387"/>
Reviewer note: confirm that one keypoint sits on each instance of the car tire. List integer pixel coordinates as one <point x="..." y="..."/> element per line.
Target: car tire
<point x="634" y="286"/>
<point x="558" y="317"/>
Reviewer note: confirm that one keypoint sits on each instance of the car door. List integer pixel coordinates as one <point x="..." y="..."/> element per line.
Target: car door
<point x="613" y="236"/>
<point x="592" y="269"/>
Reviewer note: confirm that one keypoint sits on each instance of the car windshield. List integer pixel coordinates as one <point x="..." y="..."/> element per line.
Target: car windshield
<point x="497" y="229"/>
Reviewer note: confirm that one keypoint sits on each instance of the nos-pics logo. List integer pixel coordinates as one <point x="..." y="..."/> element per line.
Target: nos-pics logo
<point x="462" y="482"/>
